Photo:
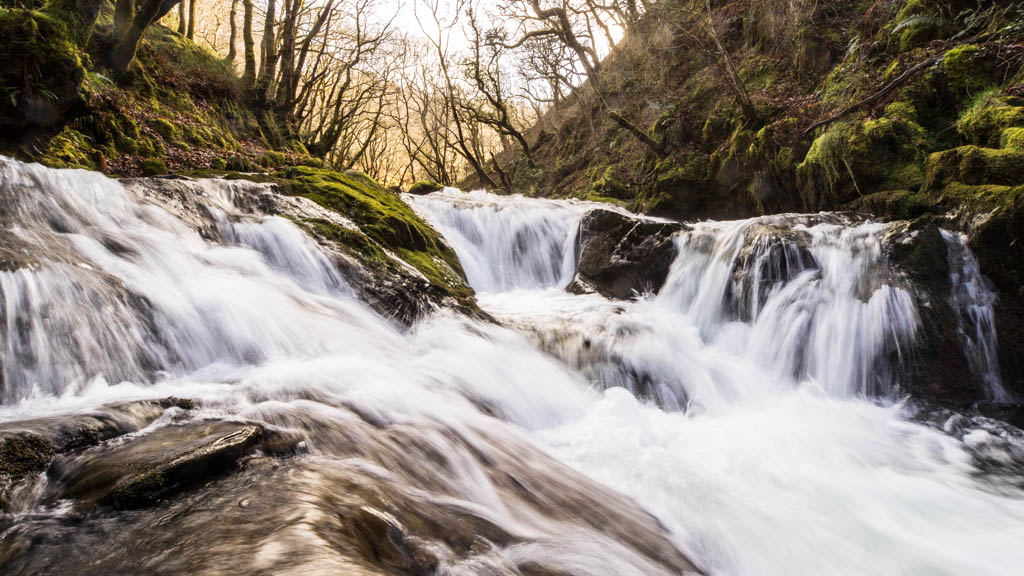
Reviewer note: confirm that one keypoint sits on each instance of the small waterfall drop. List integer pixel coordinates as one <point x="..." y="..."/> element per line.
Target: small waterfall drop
<point x="504" y="242"/>
<point x="972" y="300"/>
<point x="805" y="297"/>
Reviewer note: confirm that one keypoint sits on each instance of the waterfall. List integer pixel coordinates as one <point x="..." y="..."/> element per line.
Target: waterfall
<point x="972" y="300"/>
<point x="505" y="243"/>
<point x="742" y="418"/>
<point x="813" y="298"/>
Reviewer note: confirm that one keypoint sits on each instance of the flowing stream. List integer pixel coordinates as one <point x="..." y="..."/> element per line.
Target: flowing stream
<point x="751" y="423"/>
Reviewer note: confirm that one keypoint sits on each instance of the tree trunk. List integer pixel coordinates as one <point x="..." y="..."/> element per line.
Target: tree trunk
<point x="191" y="20"/>
<point x="284" y="94"/>
<point x="124" y="13"/>
<point x="268" y="66"/>
<point x="78" y="15"/>
<point x="149" y="11"/>
<point x="232" y="52"/>
<point x="249" y="76"/>
<point x="182" y="20"/>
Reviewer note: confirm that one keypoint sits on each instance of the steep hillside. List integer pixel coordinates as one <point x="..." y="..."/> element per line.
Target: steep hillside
<point x="180" y="108"/>
<point x="935" y="76"/>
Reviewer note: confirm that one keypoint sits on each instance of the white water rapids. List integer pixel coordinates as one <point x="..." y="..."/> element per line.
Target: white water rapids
<point x="762" y="430"/>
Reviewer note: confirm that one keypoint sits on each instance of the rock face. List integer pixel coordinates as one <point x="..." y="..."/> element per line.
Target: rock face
<point x="620" y="256"/>
<point x="936" y="366"/>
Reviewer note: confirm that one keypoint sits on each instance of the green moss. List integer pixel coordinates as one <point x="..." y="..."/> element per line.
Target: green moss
<point x="154" y="167"/>
<point x="605" y="183"/>
<point x="991" y="199"/>
<point x="383" y="217"/>
<point x="899" y="204"/>
<point x="902" y="110"/>
<point x="369" y="251"/>
<point x="915" y="30"/>
<point x="22" y="454"/>
<point x="855" y="159"/>
<point x="989" y="115"/>
<point x="271" y="158"/>
<point x="424" y="187"/>
<point x="967" y="70"/>
<point x="240" y="163"/>
<point x="218" y="163"/>
<point x="200" y="136"/>
<point x="42" y="68"/>
<point x="68" y="149"/>
<point x="1012" y="139"/>
<point x="168" y="131"/>
<point x="974" y="166"/>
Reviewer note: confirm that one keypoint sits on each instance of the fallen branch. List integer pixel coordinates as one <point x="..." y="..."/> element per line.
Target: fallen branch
<point x="657" y="147"/>
<point x="874" y="97"/>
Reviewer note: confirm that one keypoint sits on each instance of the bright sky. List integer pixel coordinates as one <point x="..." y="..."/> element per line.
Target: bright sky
<point x="406" y="20"/>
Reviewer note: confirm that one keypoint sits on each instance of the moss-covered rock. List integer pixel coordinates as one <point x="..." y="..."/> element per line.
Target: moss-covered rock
<point x="168" y="131"/>
<point x="424" y="187"/>
<point x="154" y="167"/>
<point x="968" y="70"/>
<point x="850" y="160"/>
<point x="21" y="454"/>
<point x="384" y="217"/>
<point x="984" y="123"/>
<point x="916" y="24"/>
<point x="41" y="73"/>
<point x="972" y="165"/>
<point x="272" y="159"/>
<point x="606" y="183"/>
<point x="69" y="149"/>
<point x="1012" y="139"/>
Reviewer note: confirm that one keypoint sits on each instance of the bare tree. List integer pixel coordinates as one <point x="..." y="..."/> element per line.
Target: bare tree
<point x="233" y="40"/>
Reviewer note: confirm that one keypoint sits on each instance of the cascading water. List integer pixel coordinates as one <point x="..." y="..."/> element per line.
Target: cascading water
<point x="771" y="449"/>
<point x="506" y="245"/>
<point x="779" y="337"/>
<point x="972" y="300"/>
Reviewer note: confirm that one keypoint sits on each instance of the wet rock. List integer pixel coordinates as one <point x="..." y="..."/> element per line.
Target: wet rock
<point x="67" y="433"/>
<point x="995" y="237"/>
<point x="14" y="253"/>
<point x="936" y="367"/>
<point x="21" y="454"/>
<point x="29" y="446"/>
<point x="772" y="255"/>
<point x="142" y="471"/>
<point x="620" y="255"/>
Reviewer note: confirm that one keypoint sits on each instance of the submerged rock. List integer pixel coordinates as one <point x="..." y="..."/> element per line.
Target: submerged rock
<point x="620" y="255"/>
<point x="142" y="471"/>
<point x="30" y="446"/>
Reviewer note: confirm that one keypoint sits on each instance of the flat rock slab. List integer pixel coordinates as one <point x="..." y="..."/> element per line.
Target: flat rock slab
<point x="141" y="471"/>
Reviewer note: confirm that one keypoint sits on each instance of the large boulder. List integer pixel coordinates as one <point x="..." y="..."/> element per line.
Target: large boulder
<point x="621" y="255"/>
